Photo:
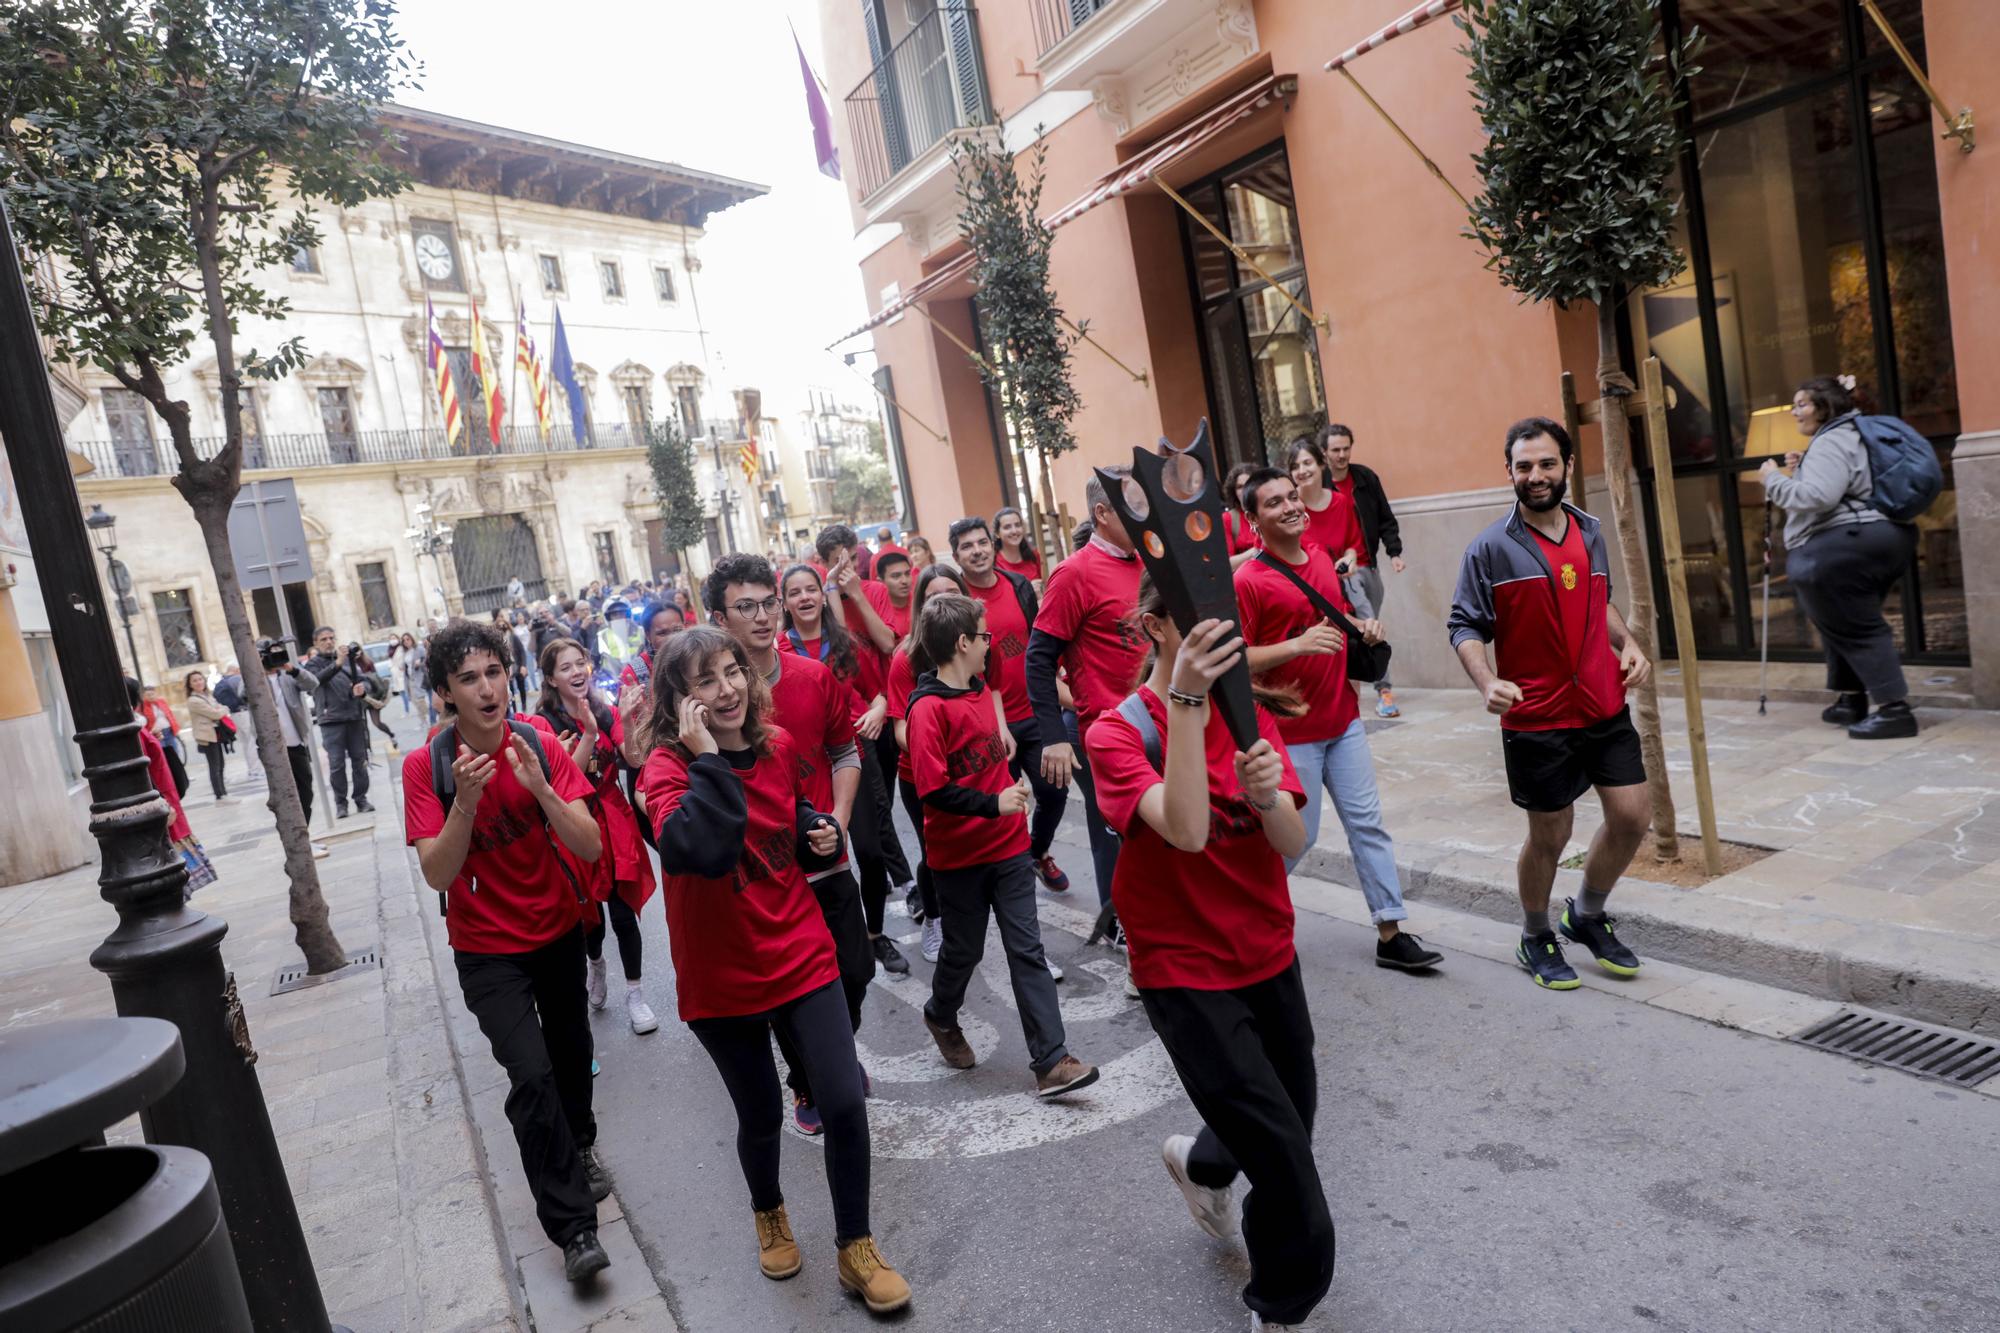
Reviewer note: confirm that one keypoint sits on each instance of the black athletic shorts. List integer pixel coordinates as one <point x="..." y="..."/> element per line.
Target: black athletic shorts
<point x="1548" y="770"/>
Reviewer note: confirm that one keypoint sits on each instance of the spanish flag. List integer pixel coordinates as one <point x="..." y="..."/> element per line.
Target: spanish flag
<point x="440" y="369"/>
<point x="529" y="360"/>
<point x="489" y="383"/>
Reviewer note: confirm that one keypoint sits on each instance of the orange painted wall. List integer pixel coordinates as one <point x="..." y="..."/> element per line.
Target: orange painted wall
<point x="1963" y="38"/>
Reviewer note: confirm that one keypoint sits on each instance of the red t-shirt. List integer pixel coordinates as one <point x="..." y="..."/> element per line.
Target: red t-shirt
<point x="1240" y="531"/>
<point x="1569" y="559"/>
<point x="1009" y="629"/>
<point x="1213" y="920"/>
<point x="756" y="939"/>
<point x="512" y="894"/>
<point x="1335" y="528"/>
<point x="1091" y="602"/>
<point x="810" y="702"/>
<point x="955" y="739"/>
<point x="1274" y="610"/>
<point x="897" y="618"/>
<point x="863" y="682"/>
<point x="903" y="678"/>
<point x="1345" y="488"/>
<point x="1031" y="568"/>
<point x="622" y="865"/>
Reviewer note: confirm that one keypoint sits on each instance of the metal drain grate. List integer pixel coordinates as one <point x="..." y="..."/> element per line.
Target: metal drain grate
<point x="294" y="976"/>
<point x="1914" y="1048"/>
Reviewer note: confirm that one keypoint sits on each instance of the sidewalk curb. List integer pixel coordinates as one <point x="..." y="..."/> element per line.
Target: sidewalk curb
<point x="1918" y="974"/>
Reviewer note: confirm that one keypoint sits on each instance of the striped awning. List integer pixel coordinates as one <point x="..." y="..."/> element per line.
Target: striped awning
<point x="1121" y="179"/>
<point x="1410" y="22"/>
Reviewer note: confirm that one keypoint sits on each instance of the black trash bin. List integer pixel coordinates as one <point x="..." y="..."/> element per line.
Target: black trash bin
<point x="119" y="1239"/>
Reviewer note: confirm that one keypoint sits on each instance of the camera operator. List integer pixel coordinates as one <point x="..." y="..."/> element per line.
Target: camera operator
<point x="289" y="693"/>
<point x="339" y="690"/>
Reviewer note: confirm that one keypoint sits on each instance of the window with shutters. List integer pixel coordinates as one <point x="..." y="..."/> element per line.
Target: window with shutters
<point x="552" y="274"/>
<point x="130" y="418"/>
<point x="173" y="612"/>
<point x="305" y="259"/>
<point x="663" y="284"/>
<point x="376" y="603"/>
<point x="611" y="277"/>
<point x="336" y="418"/>
<point x="604" y="546"/>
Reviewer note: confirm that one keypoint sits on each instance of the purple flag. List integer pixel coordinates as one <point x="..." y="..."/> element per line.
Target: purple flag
<point x="827" y="155"/>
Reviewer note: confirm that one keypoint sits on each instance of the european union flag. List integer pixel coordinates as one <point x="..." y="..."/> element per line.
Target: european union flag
<point x="563" y="367"/>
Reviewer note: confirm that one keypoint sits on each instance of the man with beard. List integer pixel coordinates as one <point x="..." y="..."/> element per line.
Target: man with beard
<point x="1537" y="585"/>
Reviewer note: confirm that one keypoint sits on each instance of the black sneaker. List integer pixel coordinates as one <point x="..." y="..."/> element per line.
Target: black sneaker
<point x="913" y="903"/>
<point x="1595" y="934"/>
<point x="361" y="803"/>
<point x="1406" y="952"/>
<point x="340" y="810"/>
<point x="594" y="1172"/>
<point x="1543" y="958"/>
<point x="890" y="957"/>
<point x="1890" y="722"/>
<point x="583" y="1257"/>
<point x="1845" y="710"/>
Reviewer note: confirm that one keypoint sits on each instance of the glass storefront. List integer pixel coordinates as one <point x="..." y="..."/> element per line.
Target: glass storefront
<point x="1811" y="220"/>
<point x="1261" y="356"/>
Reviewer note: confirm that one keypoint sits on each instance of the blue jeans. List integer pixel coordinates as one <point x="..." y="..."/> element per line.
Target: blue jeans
<point x="1345" y="767"/>
<point x="1103" y="842"/>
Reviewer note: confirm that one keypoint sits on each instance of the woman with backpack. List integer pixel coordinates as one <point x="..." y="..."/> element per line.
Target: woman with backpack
<point x="621" y="880"/>
<point x="1842" y="556"/>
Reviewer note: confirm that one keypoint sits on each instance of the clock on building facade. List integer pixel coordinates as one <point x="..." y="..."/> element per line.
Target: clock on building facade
<point x="437" y="254"/>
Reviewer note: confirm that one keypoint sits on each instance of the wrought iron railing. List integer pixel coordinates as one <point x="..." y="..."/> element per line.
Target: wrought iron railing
<point x="1057" y="19"/>
<point x="290" y="453"/>
<point x="931" y="82"/>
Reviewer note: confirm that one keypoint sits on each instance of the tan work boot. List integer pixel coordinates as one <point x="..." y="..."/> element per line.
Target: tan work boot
<point x="867" y="1274"/>
<point x="777" y="1253"/>
<point x="951" y="1044"/>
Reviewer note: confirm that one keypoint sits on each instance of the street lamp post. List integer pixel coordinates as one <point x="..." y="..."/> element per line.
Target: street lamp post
<point x="163" y="959"/>
<point x="429" y="538"/>
<point x="104" y="531"/>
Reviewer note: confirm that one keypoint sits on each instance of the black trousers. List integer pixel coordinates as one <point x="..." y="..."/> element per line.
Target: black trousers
<point x="886" y="757"/>
<point x="1049" y="799"/>
<point x="1246" y="1059"/>
<point x="1842" y="574"/>
<point x="741" y="1048"/>
<point x="175" y="766"/>
<point x="345" y="743"/>
<point x="302" y="777"/>
<point x="913" y="806"/>
<point x="533" y="1010"/>
<point x="213" y="752"/>
<point x="840" y="903"/>
<point x="1104" y="843"/>
<point x="874" y="832"/>
<point x="374" y="719"/>
<point x="1005" y="890"/>
<point x="625" y="925"/>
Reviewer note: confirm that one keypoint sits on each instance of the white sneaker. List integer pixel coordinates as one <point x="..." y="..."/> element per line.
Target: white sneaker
<point x="933" y="939"/>
<point x="320" y="852"/>
<point x="598" y="994"/>
<point x="1055" y="972"/>
<point x="1259" y="1325"/>
<point x="1131" y="987"/>
<point x="1213" y="1210"/>
<point x="641" y="1013"/>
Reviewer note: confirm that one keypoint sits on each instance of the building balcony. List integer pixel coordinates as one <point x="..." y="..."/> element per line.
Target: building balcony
<point x="925" y="93"/>
<point x="294" y="453"/>
<point x="1138" y="58"/>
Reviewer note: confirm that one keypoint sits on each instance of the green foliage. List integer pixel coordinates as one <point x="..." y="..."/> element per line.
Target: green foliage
<point x="671" y="458"/>
<point x="1579" y="116"/>
<point x="169" y="154"/>
<point x="863" y="487"/>
<point x="1027" y="352"/>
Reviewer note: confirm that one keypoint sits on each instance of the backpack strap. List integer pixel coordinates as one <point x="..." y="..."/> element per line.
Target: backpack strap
<point x="1133" y="709"/>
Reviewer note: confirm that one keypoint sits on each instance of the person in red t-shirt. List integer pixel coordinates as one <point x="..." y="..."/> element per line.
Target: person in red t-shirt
<point x="500" y="855"/>
<point x="1012" y="550"/>
<point x="811" y="632"/>
<point x="1330" y="520"/>
<point x="811" y="704"/>
<point x="1237" y="528"/>
<point x="885" y="543"/>
<point x="623" y="878"/>
<point x="922" y="904"/>
<point x="752" y="953"/>
<point x="976" y="844"/>
<point x="1294" y="645"/>
<point x="1204" y="900"/>
<point x="1011" y="604"/>
<point x="1380" y="535"/>
<point x="1537" y="585"/>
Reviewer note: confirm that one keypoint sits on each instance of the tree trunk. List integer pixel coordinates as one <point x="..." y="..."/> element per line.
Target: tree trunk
<point x="1613" y="388"/>
<point x="1048" y="521"/>
<point x="314" y="934"/>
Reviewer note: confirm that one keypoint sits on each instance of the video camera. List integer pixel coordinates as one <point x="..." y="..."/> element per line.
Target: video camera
<point x="272" y="656"/>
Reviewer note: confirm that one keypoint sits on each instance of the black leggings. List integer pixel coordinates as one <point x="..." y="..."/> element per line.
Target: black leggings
<point x="872" y="821"/>
<point x="840" y="905"/>
<point x="913" y="806"/>
<point x="625" y="925"/>
<point x="375" y="721"/>
<point x="816" y="1026"/>
<point x="213" y="752"/>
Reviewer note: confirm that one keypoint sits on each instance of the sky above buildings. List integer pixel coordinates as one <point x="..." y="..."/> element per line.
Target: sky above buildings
<point x="710" y="86"/>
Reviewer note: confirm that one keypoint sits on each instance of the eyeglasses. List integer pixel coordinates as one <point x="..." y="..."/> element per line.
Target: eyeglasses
<point x="750" y="610"/>
<point x="984" y="635"/>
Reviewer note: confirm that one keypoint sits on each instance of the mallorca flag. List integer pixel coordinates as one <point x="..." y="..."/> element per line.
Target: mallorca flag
<point x="530" y="362"/>
<point x="440" y="368"/>
<point x="747" y="456"/>
<point x="489" y="383"/>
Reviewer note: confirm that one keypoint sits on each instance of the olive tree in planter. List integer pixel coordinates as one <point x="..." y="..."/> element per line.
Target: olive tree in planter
<point x="1578" y="108"/>
<point x="670" y="456"/>
<point x="168" y="157"/>
<point x="1027" y="351"/>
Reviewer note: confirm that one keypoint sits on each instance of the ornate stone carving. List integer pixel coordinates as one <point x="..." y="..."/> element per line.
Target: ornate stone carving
<point x="1236" y="25"/>
<point x="1109" y="97"/>
<point x="1181" y="72"/>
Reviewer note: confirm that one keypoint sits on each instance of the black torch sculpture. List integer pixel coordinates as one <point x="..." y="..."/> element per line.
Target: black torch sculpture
<point x="1171" y="505"/>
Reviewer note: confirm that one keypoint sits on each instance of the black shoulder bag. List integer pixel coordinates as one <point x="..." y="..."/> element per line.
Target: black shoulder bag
<point x="1365" y="661"/>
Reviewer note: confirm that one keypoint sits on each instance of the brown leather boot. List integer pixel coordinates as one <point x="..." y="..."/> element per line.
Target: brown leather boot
<point x="777" y="1253"/>
<point x="867" y="1274"/>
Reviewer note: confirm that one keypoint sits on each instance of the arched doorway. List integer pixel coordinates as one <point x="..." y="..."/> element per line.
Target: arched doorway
<point x="491" y="551"/>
